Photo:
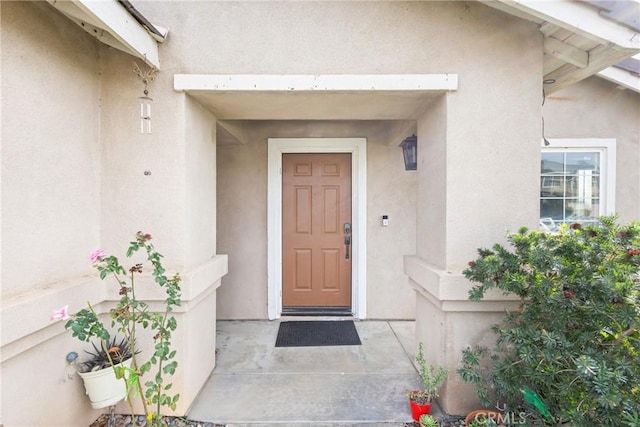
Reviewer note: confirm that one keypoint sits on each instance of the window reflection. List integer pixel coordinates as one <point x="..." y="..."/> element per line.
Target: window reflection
<point x="569" y="186"/>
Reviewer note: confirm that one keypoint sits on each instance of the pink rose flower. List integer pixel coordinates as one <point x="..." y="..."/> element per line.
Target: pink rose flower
<point x="97" y="256"/>
<point x="61" y="314"/>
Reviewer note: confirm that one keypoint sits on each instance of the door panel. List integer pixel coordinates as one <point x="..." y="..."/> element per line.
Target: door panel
<point x="302" y="268"/>
<point x="316" y="203"/>
<point x="303" y="209"/>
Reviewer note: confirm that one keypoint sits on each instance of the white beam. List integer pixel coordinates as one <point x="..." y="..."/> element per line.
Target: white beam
<point x="566" y="52"/>
<point x="622" y="78"/>
<point x="113" y="17"/>
<point x="579" y="18"/>
<point x="124" y="28"/>
<point x="548" y="29"/>
<point x="325" y="82"/>
<point x="599" y="59"/>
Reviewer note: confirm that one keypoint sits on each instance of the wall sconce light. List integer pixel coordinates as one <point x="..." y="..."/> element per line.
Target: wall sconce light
<point x="410" y="152"/>
<point x="145" y="100"/>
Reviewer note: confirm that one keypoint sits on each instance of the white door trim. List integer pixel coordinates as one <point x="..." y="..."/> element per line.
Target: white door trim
<point x="358" y="149"/>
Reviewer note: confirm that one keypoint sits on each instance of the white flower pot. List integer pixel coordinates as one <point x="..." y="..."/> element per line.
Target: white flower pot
<point x="103" y="388"/>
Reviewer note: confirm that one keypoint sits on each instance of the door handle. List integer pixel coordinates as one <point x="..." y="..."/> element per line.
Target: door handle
<point x="347" y="242"/>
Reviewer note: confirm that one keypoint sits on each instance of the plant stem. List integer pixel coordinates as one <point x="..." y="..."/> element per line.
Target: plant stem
<point x="129" y="330"/>
<point x="132" y="337"/>
<point x="162" y="340"/>
<point x="625" y="334"/>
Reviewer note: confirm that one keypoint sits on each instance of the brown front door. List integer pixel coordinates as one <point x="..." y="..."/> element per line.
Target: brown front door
<point x="316" y="230"/>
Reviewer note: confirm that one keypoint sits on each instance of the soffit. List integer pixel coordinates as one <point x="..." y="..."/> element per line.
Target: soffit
<point x="581" y="38"/>
<point x="348" y="105"/>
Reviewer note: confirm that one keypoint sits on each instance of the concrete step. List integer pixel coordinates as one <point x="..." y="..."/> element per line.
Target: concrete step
<point x="299" y="399"/>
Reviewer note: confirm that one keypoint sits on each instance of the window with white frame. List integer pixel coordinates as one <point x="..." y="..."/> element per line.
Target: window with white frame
<point x="577" y="181"/>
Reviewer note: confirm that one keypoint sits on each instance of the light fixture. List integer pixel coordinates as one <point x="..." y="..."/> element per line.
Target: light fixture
<point x="410" y="152"/>
<point x="145" y="100"/>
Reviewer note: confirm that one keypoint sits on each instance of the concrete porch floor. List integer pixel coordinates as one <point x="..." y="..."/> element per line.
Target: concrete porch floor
<point x="255" y="383"/>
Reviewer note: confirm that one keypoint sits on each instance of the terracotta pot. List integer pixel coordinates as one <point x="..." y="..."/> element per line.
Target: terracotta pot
<point x="103" y="388"/>
<point x="418" y="409"/>
<point x="487" y="413"/>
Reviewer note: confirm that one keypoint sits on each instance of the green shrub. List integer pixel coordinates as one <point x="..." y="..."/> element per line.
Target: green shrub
<point x="575" y="342"/>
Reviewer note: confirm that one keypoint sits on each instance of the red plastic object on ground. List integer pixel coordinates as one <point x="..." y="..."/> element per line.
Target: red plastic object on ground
<point x="417" y="410"/>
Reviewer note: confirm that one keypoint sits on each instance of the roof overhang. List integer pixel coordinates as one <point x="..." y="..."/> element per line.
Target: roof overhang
<point x="316" y="97"/>
<point x="579" y="39"/>
<point x="624" y="77"/>
<point x="113" y="24"/>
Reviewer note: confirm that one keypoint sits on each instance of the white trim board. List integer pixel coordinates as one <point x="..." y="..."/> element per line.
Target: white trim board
<point x="358" y="149"/>
<point x="318" y="82"/>
<point x="622" y="78"/>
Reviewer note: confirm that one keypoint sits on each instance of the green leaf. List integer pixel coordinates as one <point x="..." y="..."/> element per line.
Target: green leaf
<point x="145" y="367"/>
<point x="170" y="368"/>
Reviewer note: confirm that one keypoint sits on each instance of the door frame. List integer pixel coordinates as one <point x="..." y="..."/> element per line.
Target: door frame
<point x="358" y="149"/>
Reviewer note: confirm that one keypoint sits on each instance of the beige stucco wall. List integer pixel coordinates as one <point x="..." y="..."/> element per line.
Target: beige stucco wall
<point x="327" y="37"/>
<point x="482" y="141"/>
<point x="163" y="181"/>
<point x="596" y="108"/>
<point x="432" y="195"/>
<point x="131" y="200"/>
<point x="200" y="184"/>
<point x="50" y="203"/>
<point x="73" y="179"/>
<point x="50" y="147"/>
<point x="242" y="216"/>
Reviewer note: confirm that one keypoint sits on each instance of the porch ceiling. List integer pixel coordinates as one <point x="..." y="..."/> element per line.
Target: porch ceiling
<point x="314" y="106"/>
<point x="316" y="97"/>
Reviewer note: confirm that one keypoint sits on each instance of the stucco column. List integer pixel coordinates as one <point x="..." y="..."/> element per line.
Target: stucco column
<point x="477" y="177"/>
<point x="164" y="183"/>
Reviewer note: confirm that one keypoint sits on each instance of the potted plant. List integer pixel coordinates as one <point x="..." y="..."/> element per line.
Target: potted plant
<point x="482" y="423"/>
<point x="99" y="372"/>
<point x="431" y="378"/>
<point x="117" y="352"/>
<point x="130" y="315"/>
<point x="482" y="418"/>
<point x="427" y="420"/>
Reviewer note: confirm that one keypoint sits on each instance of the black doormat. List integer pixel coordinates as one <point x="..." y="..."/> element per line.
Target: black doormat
<point x="317" y="333"/>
